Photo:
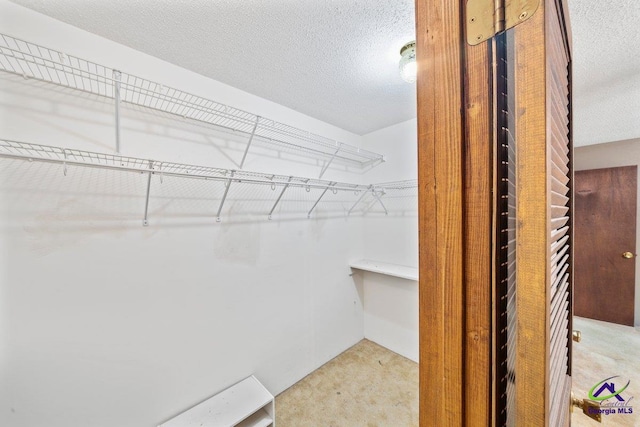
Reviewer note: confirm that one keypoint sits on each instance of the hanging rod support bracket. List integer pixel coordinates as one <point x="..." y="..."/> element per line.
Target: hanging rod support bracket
<point x="117" y="75"/>
<point x="364" y="193"/>
<point x="224" y="196"/>
<point x="145" y="221"/>
<point x="326" y="166"/>
<point x="320" y="198"/>
<point x="246" y="150"/>
<point x="280" y="197"/>
<point x="377" y="196"/>
<point x="64" y="164"/>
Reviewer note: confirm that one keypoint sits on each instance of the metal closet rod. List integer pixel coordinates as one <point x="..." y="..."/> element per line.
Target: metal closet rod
<point x="40" y="63"/>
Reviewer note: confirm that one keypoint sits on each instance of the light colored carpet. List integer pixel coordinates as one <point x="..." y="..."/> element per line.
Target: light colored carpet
<point x="370" y="386"/>
<point x="366" y="386"/>
<point x="606" y="350"/>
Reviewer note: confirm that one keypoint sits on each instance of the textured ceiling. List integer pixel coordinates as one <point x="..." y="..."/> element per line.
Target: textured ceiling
<point x="336" y="60"/>
<point x="606" y="70"/>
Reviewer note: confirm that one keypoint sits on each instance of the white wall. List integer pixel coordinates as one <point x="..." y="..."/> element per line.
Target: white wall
<point x="391" y="303"/>
<point x="609" y="155"/>
<point x="104" y="322"/>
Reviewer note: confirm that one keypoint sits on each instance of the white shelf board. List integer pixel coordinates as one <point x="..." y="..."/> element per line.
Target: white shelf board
<point x="227" y="408"/>
<point x="259" y="419"/>
<point x="402" y="271"/>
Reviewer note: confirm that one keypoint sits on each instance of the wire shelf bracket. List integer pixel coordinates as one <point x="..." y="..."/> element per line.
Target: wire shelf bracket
<point x="33" y="61"/>
<point x="224" y="196"/>
<point x="320" y="198"/>
<point x="117" y="75"/>
<point x="364" y="193"/>
<point x="328" y="162"/>
<point x="377" y="197"/>
<point x="145" y="221"/>
<point x="246" y="150"/>
<point x="279" y="197"/>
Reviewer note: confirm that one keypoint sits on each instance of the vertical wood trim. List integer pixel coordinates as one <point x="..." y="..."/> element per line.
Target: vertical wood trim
<point x="478" y="225"/>
<point x="533" y="250"/>
<point x="440" y="152"/>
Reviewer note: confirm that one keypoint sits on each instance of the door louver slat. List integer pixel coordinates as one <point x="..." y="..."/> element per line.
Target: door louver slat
<point x="560" y="271"/>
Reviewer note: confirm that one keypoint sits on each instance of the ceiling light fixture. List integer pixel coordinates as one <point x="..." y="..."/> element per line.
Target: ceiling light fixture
<point x="408" y="66"/>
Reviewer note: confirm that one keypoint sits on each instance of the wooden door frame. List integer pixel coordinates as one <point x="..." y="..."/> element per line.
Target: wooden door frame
<point x="456" y="209"/>
<point x="455" y="179"/>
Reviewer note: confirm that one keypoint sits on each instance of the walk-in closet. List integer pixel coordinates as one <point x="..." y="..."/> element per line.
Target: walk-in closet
<point x="177" y="251"/>
<point x="319" y="213"/>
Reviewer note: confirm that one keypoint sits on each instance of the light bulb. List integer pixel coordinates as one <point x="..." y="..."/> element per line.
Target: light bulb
<point x="408" y="66"/>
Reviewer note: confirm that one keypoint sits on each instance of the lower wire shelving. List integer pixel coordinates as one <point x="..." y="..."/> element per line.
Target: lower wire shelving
<point x="365" y="195"/>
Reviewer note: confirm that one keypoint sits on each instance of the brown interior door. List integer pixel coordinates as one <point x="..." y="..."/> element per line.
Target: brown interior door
<point x="495" y="218"/>
<point x="605" y="244"/>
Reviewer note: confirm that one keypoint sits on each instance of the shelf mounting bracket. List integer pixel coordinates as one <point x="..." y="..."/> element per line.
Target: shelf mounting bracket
<point x="280" y="197"/>
<point x="364" y="193"/>
<point x="117" y="75"/>
<point x="224" y="196"/>
<point x="145" y="222"/>
<point x="331" y="184"/>
<point x="326" y="166"/>
<point x="253" y="133"/>
<point x="64" y="164"/>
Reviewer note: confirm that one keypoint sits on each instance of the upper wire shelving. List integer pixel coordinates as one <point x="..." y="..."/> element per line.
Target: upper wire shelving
<point x="364" y="194"/>
<point x="33" y="61"/>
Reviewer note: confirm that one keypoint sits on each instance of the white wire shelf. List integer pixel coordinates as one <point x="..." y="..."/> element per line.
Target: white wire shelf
<point x="67" y="156"/>
<point x="40" y="63"/>
<point x="410" y="184"/>
<point x="366" y="195"/>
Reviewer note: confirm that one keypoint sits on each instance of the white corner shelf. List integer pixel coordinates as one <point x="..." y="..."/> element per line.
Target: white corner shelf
<point x="245" y="404"/>
<point x="40" y="63"/>
<point x="395" y="270"/>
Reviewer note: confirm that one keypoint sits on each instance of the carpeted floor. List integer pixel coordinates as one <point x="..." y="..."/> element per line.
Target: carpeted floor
<point x="366" y="386"/>
<point x="606" y="350"/>
<point x="370" y="386"/>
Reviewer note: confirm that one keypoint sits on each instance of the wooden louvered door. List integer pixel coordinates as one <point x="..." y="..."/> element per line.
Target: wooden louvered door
<point x="542" y="82"/>
<point x="495" y="219"/>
